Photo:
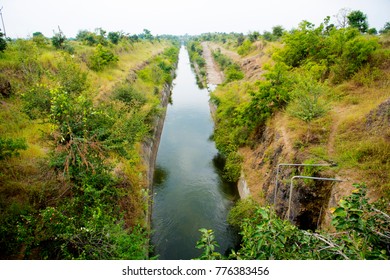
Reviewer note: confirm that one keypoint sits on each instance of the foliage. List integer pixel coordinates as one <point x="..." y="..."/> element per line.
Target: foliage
<point x="195" y="51"/>
<point x="101" y="58"/>
<point x="277" y="31"/>
<point x="76" y="192"/>
<point x="3" y="42"/>
<point x="129" y="95"/>
<point x="114" y="37"/>
<point x="342" y="51"/>
<point x="358" y="20"/>
<point x="58" y="40"/>
<point x="40" y="39"/>
<point x="208" y="244"/>
<point x="362" y="232"/>
<point x="245" y="48"/>
<point x="272" y="94"/>
<point x="10" y="147"/>
<point x="232" y="168"/>
<point x="70" y="76"/>
<point x="231" y="69"/>
<point x="36" y="101"/>
<point x="386" y="28"/>
<point x="306" y="104"/>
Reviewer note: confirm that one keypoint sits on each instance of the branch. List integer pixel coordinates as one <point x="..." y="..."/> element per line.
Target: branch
<point x="331" y="244"/>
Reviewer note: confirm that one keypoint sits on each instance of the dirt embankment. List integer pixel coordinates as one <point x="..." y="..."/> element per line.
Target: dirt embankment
<point x="251" y="65"/>
<point x="214" y="74"/>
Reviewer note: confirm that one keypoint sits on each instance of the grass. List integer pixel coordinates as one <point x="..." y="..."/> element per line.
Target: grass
<point x="28" y="182"/>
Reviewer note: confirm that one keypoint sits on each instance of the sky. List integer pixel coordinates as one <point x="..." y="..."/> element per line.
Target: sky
<point x="24" y="17"/>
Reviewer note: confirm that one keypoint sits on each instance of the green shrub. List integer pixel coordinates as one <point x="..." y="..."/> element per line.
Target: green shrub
<point x="232" y="169"/>
<point x="70" y="75"/>
<point x="101" y="58"/>
<point x="361" y="233"/>
<point x="130" y="96"/>
<point x="10" y="147"/>
<point x="233" y="73"/>
<point x="306" y="104"/>
<point x="36" y="101"/>
<point x="245" y="48"/>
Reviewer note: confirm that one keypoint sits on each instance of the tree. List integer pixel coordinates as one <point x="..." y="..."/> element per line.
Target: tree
<point x="58" y="39"/>
<point x="341" y="17"/>
<point x="386" y="28"/>
<point x="39" y="39"/>
<point x="372" y="31"/>
<point x="3" y="43"/>
<point x="358" y="20"/>
<point x="148" y="35"/>
<point x="240" y="39"/>
<point x="277" y="31"/>
<point x="114" y="37"/>
<point x="253" y="36"/>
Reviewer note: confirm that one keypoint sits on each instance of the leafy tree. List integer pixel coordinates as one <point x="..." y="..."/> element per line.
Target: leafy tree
<point x="39" y="39"/>
<point x="147" y="35"/>
<point x="87" y="37"/>
<point x="277" y="31"/>
<point x="254" y="36"/>
<point x="268" y="36"/>
<point x="240" y="39"/>
<point x="114" y="37"/>
<point x="386" y="28"/>
<point x="58" y="39"/>
<point x="358" y="20"/>
<point x="372" y="31"/>
<point x="3" y="42"/>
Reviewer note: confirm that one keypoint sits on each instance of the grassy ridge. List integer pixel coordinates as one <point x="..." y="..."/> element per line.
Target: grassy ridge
<point x="72" y="183"/>
<point x="323" y="97"/>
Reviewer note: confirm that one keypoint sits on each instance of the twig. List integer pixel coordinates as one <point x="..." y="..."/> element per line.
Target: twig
<point x="331" y="245"/>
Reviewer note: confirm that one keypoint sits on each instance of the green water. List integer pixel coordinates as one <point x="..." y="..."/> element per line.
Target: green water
<point x="188" y="191"/>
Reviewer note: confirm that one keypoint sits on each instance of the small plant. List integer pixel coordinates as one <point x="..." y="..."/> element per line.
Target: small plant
<point x="208" y="243"/>
<point x="11" y="147"/>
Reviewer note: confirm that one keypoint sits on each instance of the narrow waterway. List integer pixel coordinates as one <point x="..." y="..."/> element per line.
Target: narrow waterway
<point x="188" y="191"/>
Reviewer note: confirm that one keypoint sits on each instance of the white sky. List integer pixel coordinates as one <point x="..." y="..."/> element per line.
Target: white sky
<point x="24" y="17"/>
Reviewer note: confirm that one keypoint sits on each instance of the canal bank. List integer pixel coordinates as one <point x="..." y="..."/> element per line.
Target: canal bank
<point x="189" y="193"/>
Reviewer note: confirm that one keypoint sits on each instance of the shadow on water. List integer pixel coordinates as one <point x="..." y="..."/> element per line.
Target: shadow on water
<point x="160" y="175"/>
<point x="228" y="188"/>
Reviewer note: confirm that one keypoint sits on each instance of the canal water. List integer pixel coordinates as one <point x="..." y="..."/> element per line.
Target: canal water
<point x="189" y="193"/>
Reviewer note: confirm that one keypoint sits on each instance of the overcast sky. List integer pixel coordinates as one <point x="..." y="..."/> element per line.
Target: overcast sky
<point x="24" y="17"/>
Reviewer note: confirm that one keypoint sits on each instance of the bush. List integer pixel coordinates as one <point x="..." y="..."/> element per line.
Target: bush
<point x="70" y="75"/>
<point x="58" y="40"/>
<point x="11" y="147"/>
<point x="101" y="58"/>
<point x="36" y="101"/>
<point x="306" y="104"/>
<point x="245" y="48"/>
<point x="130" y="96"/>
<point x="361" y="233"/>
